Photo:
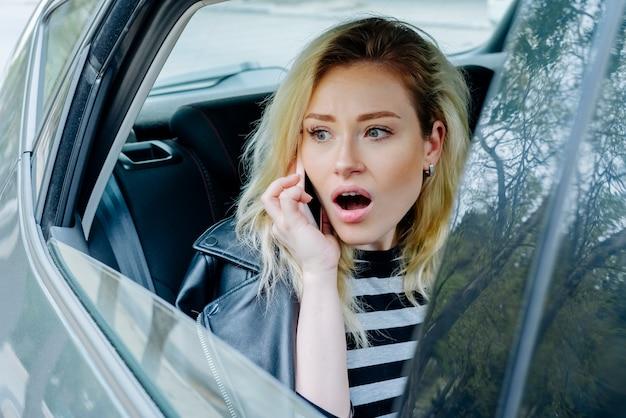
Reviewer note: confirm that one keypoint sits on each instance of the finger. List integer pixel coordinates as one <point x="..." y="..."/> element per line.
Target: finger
<point x="272" y="207"/>
<point x="294" y="207"/>
<point x="270" y="197"/>
<point x="306" y="211"/>
<point x="299" y="169"/>
<point x="289" y="200"/>
<point x="280" y="184"/>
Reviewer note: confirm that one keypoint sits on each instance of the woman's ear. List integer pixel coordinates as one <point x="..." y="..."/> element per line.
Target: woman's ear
<point x="434" y="143"/>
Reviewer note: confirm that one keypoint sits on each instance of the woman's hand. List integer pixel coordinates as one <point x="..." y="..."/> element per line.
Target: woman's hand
<point x="321" y="373"/>
<point x="317" y="252"/>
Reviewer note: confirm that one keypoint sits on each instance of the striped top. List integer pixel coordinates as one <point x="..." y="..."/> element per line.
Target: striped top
<point x="375" y="373"/>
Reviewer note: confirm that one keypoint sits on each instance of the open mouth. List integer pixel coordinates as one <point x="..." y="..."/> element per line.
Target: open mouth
<point x="352" y="201"/>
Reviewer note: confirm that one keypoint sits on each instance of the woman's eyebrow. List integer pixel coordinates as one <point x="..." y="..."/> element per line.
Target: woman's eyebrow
<point x="325" y="118"/>
<point x="361" y="118"/>
<point x="376" y="115"/>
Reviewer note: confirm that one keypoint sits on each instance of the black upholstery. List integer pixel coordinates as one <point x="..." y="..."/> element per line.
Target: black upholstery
<point x="170" y="205"/>
<point x="478" y="79"/>
<point x="215" y="134"/>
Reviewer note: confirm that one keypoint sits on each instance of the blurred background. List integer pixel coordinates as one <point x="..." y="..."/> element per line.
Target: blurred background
<point x="456" y="24"/>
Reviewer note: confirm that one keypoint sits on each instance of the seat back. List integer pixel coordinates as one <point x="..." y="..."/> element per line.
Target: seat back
<point x="215" y="133"/>
<point x="478" y="79"/>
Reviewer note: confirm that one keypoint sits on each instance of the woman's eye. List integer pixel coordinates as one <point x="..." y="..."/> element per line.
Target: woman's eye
<point x="377" y="133"/>
<point x="319" y="135"/>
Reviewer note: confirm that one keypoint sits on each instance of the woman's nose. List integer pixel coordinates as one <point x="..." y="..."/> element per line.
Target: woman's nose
<point x="348" y="161"/>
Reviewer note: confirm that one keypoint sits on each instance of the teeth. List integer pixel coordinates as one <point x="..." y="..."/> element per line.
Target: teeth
<point x="349" y="194"/>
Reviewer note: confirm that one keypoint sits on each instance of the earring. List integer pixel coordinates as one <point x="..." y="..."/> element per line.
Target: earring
<point x="430" y="171"/>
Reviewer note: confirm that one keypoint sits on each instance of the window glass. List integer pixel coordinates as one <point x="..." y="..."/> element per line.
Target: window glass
<point x="463" y="351"/>
<point x="579" y="368"/>
<point x="62" y="32"/>
<point x="270" y="33"/>
<point x="44" y="367"/>
<point x="187" y="370"/>
<point x="12" y="93"/>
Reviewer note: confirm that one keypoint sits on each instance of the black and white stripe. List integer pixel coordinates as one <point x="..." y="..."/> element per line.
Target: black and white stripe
<point x="376" y="373"/>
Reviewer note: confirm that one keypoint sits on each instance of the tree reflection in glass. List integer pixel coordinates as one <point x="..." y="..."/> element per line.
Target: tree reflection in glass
<point x="466" y="341"/>
<point x="579" y="368"/>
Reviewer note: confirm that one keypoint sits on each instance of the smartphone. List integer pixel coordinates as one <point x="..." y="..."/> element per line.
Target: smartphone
<point x="314" y="205"/>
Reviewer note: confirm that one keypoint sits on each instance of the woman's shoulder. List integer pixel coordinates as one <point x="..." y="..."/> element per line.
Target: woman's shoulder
<point x="221" y="265"/>
<point x="221" y="241"/>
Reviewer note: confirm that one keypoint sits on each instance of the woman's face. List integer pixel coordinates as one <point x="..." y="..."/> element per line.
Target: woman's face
<point x="364" y="152"/>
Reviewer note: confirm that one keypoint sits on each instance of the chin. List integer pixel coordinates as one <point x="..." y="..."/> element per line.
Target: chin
<point x="357" y="235"/>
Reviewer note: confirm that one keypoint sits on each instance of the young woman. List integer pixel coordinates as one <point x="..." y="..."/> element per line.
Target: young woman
<point x="376" y="118"/>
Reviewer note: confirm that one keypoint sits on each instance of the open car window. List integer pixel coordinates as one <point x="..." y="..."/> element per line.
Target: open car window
<point x="254" y="32"/>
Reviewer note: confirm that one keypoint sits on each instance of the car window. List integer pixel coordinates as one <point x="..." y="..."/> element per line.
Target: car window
<point x="252" y="33"/>
<point x="184" y="368"/>
<point x="463" y="351"/>
<point x="62" y="30"/>
<point x="45" y="371"/>
<point x="579" y="368"/>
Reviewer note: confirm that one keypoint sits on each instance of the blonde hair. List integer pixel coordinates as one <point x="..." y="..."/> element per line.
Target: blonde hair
<point x="439" y="92"/>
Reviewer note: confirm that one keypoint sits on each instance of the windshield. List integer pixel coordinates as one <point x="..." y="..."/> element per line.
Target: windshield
<point x="240" y="35"/>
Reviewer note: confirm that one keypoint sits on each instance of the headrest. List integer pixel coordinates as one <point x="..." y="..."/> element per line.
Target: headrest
<point x="478" y="79"/>
<point x="217" y="133"/>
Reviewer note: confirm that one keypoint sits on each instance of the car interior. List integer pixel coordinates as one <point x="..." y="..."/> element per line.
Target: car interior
<point x="178" y="173"/>
<point x="150" y="165"/>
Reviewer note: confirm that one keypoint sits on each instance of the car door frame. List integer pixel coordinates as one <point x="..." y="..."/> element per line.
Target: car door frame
<point x="111" y="79"/>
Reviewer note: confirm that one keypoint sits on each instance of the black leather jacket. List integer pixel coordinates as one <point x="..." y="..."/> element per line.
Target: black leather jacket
<point x="221" y="285"/>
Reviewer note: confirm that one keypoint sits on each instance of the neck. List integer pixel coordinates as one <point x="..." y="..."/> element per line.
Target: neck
<point x="386" y="242"/>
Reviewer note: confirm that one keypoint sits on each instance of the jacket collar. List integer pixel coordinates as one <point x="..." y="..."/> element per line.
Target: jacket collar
<point x="221" y="241"/>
